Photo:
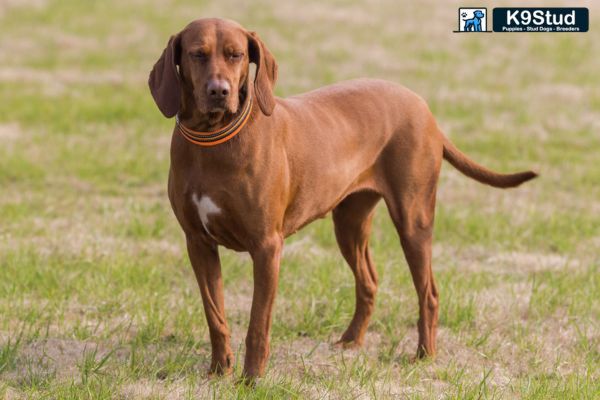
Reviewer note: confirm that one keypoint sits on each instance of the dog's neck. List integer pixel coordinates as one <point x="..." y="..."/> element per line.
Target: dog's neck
<point x="192" y="117"/>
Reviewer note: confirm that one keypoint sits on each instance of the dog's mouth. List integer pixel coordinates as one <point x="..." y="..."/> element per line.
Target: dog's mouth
<point x="221" y="106"/>
<point x="217" y="109"/>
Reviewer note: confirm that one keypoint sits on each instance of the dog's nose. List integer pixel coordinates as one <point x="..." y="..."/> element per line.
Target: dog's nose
<point x="218" y="89"/>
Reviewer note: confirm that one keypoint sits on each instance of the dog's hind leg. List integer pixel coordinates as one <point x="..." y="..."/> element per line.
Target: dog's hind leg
<point x="412" y="168"/>
<point x="352" y="220"/>
<point x="413" y="214"/>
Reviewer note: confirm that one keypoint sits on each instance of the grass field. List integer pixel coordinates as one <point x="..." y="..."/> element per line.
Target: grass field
<point x="97" y="297"/>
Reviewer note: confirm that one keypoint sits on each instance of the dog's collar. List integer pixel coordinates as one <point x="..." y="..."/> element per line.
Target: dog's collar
<point x="207" y="139"/>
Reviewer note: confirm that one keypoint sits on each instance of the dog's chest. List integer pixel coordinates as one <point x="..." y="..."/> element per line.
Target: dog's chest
<point x="215" y="216"/>
<point x="207" y="209"/>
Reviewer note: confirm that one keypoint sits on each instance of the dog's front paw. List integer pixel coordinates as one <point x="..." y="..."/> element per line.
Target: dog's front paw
<point x="220" y="366"/>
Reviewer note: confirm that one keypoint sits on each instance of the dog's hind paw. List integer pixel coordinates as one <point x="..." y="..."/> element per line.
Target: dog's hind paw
<point x="346" y="345"/>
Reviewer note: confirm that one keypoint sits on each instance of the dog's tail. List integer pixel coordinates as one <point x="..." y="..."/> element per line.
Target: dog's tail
<point x="470" y="168"/>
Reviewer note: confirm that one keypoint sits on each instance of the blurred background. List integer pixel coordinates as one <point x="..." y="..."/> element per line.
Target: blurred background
<point x="97" y="298"/>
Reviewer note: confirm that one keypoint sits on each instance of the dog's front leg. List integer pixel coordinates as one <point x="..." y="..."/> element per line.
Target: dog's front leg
<point x="266" y="260"/>
<point x="207" y="268"/>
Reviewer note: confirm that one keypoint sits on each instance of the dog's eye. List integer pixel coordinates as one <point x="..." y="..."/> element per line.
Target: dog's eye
<point x="236" y="56"/>
<point x="200" y="56"/>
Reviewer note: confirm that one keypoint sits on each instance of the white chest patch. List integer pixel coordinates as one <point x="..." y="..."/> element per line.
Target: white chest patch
<point x="205" y="208"/>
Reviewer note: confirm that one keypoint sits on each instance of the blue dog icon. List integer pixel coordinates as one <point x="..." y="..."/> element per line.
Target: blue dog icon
<point x="473" y="24"/>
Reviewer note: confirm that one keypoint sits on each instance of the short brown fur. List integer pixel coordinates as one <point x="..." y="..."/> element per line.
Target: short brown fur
<point x="340" y="148"/>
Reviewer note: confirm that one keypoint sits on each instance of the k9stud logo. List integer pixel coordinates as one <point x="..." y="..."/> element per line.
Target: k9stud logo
<point x="522" y="19"/>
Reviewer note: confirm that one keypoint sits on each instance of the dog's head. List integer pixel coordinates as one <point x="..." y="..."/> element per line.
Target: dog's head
<point x="478" y="14"/>
<point x="208" y="63"/>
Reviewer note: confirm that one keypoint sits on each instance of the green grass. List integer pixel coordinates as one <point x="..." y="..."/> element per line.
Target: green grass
<point x="97" y="296"/>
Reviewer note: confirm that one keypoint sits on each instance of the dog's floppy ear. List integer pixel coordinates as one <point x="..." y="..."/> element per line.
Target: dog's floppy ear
<point x="266" y="73"/>
<point x="164" y="79"/>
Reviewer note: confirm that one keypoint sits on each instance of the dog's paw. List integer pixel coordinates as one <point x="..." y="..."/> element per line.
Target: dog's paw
<point x="222" y="367"/>
<point x="422" y="355"/>
<point x="346" y="345"/>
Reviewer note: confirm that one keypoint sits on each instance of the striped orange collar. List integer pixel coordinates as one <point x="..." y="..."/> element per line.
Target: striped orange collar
<point x="207" y="139"/>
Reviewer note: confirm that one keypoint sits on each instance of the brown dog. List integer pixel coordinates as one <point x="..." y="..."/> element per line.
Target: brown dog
<point x="268" y="166"/>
